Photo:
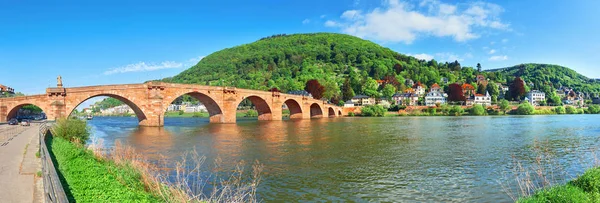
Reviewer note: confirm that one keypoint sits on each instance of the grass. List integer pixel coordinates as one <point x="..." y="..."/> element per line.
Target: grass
<point x="87" y="179"/>
<point x="585" y="188"/>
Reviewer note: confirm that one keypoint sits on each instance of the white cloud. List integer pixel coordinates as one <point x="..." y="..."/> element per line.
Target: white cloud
<point x="323" y="16"/>
<point x="397" y="21"/>
<point x="504" y="41"/>
<point x="143" y="67"/>
<point x="498" y="58"/>
<point x="331" y="23"/>
<point x="422" y="56"/>
<point x="305" y="21"/>
<point x="492" y="51"/>
<point x="450" y="57"/>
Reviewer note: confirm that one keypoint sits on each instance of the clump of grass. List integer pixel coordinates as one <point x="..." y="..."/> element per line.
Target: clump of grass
<point x="39" y="174"/>
<point x="567" y="193"/>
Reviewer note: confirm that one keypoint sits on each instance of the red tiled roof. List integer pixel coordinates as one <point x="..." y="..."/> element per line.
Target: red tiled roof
<point x="467" y="87"/>
<point x="479" y="95"/>
<point x="435" y="86"/>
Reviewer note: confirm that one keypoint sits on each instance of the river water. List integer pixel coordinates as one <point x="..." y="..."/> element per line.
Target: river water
<point x="400" y="159"/>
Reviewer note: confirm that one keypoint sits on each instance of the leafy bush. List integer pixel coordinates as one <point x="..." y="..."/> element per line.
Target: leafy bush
<point x="589" y="181"/>
<point x="571" y="110"/>
<point x="545" y="112"/>
<point x="477" y="110"/>
<point x="432" y="111"/>
<point x="560" y="110"/>
<point x="251" y="113"/>
<point x="373" y="111"/>
<point x="456" y="111"/>
<point x="180" y="112"/>
<point x="198" y="115"/>
<point x="593" y="109"/>
<point x="74" y="130"/>
<point x="351" y="114"/>
<point x="525" y="109"/>
<point x="89" y="180"/>
<point x="566" y="193"/>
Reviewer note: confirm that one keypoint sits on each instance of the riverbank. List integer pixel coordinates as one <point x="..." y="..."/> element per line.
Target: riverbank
<point x="87" y="178"/>
<point x="239" y="114"/>
<point x="585" y="188"/>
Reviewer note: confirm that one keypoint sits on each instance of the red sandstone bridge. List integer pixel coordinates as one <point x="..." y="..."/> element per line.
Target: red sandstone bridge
<point x="150" y="101"/>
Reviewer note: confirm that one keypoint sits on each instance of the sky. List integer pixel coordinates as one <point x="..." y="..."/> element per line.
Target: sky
<point x="119" y="42"/>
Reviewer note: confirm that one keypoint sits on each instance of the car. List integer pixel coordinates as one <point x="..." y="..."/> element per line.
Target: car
<point x="13" y="121"/>
<point x="25" y="122"/>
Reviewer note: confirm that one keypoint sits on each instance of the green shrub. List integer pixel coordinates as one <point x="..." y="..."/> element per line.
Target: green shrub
<point x="198" y="115"/>
<point x="87" y="179"/>
<point x="545" y="112"/>
<point x="525" y="109"/>
<point x="74" y="130"/>
<point x="180" y="112"/>
<point x="251" y="113"/>
<point x="571" y="110"/>
<point x="431" y="111"/>
<point x="589" y="181"/>
<point x="456" y="111"/>
<point x="351" y="114"/>
<point x="373" y="111"/>
<point x="560" y="110"/>
<point x="477" y="110"/>
<point x="593" y="109"/>
<point x="564" y="193"/>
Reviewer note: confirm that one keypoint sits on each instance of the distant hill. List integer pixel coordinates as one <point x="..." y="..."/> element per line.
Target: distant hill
<point x="556" y="76"/>
<point x="288" y="61"/>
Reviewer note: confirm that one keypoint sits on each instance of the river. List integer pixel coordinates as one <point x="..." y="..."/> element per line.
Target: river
<point x="400" y="159"/>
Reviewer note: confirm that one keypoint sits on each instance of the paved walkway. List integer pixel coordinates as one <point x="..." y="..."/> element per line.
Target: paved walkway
<point x="18" y="164"/>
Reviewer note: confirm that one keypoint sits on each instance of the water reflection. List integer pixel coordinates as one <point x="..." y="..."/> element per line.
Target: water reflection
<point x="411" y="159"/>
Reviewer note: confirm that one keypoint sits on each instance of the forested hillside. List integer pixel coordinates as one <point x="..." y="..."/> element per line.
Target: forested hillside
<point x="347" y="66"/>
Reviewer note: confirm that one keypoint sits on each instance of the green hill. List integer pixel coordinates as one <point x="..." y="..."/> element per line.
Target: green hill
<point x="542" y="75"/>
<point x="348" y="66"/>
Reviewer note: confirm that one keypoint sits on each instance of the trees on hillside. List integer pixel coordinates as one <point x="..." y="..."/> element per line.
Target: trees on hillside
<point x="455" y="93"/>
<point x="388" y="91"/>
<point x="516" y="89"/>
<point x="492" y="88"/>
<point x="314" y="88"/>
<point x="347" y="91"/>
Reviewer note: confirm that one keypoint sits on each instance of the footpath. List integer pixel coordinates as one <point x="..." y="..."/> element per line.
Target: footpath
<point x="19" y="164"/>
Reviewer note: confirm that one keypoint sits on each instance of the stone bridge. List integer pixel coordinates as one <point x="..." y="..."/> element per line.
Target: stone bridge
<point x="150" y="101"/>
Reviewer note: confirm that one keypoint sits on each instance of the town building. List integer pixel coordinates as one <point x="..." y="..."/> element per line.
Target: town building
<point x="481" y="80"/>
<point x="535" y="97"/>
<point x="174" y="107"/>
<point x="195" y="108"/>
<point x="363" y="100"/>
<point x="419" y="89"/>
<point x="444" y="81"/>
<point x="349" y="103"/>
<point x="435" y="88"/>
<point x="301" y="93"/>
<point x="434" y="98"/>
<point x="485" y="100"/>
<point x="117" y="110"/>
<point x="596" y="100"/>
<point x="468" y="90"/>
<point x="407" y="99"/>
<point x="6" y="89"/>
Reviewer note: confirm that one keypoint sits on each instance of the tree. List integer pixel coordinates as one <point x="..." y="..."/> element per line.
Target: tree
<point x="492" y="88"/>
<point x="478" y="68"/>
<point x="455" y="93"/>
<point x="481" y="89"/>
<point x="347" y="92"/>
<point x="388" y="91"/>
<point x="525" y="109"/>
<point x="370" y="87"/>
<point x="516" y="89"/>
<point x="504" y="105"/>
<point x="477" y="110"/>
<point x="373" y="110"/>
<point x="315" y="89"/>
<point x="560" y="110"/>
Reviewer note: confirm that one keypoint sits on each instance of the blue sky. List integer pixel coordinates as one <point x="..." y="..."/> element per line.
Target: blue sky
<point x="112" y="42"/>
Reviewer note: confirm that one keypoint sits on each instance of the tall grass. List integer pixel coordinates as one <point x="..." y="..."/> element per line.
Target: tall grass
<point x="541" y="179"/>
<point x="185" y="181"/>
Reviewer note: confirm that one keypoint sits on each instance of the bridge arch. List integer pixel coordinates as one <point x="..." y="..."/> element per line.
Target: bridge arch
<point x="316" y="111"/>
<point x="340" y="113"/>
<point x="331" y="112"/>
<point x="12" y="113"/>
<point x="215" y="111"/>
<point x="139" y="113"/>
<point x="261" y="105"/>
<point x="295" y="108"/>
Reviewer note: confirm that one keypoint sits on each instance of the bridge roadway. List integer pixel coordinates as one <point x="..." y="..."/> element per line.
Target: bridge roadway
<point x="150" y="101"/>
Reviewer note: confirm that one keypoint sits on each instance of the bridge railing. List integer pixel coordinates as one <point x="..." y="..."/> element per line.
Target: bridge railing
<point x="53" y="189"/>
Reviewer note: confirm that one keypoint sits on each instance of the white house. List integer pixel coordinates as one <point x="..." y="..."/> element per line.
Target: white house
<point x="349" y="103"/>
<point x="419" y="89"/>
<point x="485" y="100"/>
<point x="535" y="97"/>
<point x="174" y="107"/>
<point x="406" y="99"/>
<point x="193" y="109"/>
<point x="435" y="97"/>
